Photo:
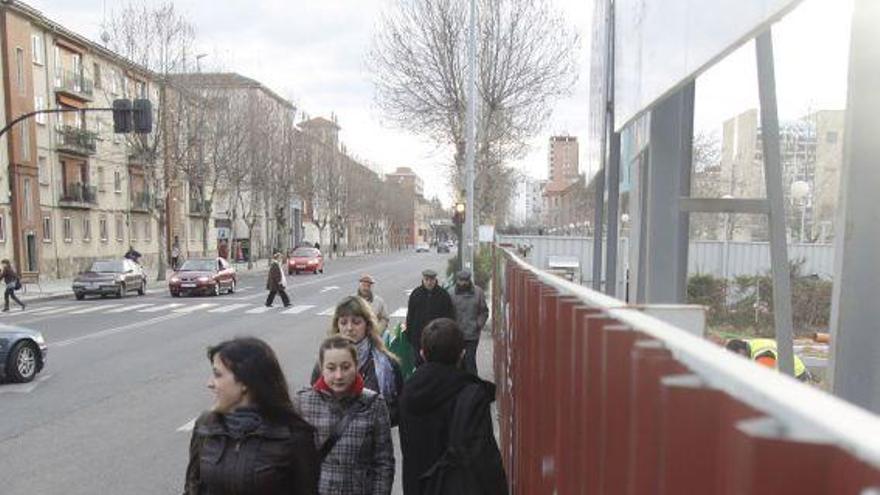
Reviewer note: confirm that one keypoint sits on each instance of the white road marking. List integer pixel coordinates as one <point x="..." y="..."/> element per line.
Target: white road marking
<point x="328" y="312"/>
<point x="24" y="388"/>
<point x="194" y="308"/>
<point x="329" y="288"/>
<point x="93" y="309"/>
<point x="129" y="308"/>
<point x="56" y="311"/>
<point x="400" y="313"/>
<point x="258" y="310"/>
<point x="34" y="311"/>
<point x="160" y="308"/>
<point x="115" y="330"/>
<point x="298" y="309"/>
<point x="228" y="308"/>
<point x="188" y="426"/>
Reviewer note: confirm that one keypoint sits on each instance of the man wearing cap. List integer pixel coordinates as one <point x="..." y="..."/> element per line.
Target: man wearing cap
<point x="427" y="302"/>
<point x="365" y="291"/>
<point x="471" y="314"/>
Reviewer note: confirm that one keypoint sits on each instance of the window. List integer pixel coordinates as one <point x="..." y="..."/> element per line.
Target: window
<point x="101" y="179"/>
<point x="2" y="226"/>
<point x="47" y="229"/>
<point x="141" y="89"/>
<point x="119" y="234"/>
<point x="27" y="199"/>
<point x="134" y="230"/>
<point x="40" y="104"/>
<point x="24" y="134"/>
<point x="114" y="82"/>
<point x="97" y="75"/>
<point x="37" y="48"/>
<point x="102" y="228"/>
<point x="19" y="69"/>
<point x="58" y="67"/>
<point x="67" y="229"/>
<point x="148" y="231"/>
<point x="87" y="229"/>
<point x="117" y="181"/>
<point x="831" y="137"/>
<point x="77" y="72"/>
<point x="43" y="170"/>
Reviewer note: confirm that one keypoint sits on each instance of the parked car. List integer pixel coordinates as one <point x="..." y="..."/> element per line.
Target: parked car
<point x="110" y="277"/>
<point x="442" y="247"/>
<point x="422" y="248"/>
<point x="208" y="276"/>
<point x="305" y="259"/>
<point x="22" y="353"/>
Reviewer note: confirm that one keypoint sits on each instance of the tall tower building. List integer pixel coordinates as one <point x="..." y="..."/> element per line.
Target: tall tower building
<point x="563" y="159"/>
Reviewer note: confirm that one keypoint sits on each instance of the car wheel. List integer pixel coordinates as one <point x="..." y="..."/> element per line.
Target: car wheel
<point x="322" y="269"/>
<point x="216" y="290"/>
<point x="143" y="288"/>
<point x="120" y="291"/>
<point x="79" y="296"/>
<point x="22" y="363"/>
<point x="297" y="272"/>
<point x="232" y="287"/>
<point x="289" y="271"/>
<point x="175" y="294"/>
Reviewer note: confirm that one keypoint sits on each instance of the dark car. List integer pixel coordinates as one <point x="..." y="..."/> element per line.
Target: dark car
<point x="442" y="247"/>
<point x="22" y="353"/>
<point x="110" y="277"/>
<point x="209" y="276"/>
<point x="305" y="259"/>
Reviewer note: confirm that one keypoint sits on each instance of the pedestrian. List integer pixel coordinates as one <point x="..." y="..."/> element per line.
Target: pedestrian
<point x="426" y="302"/>
<point x="353" y="429"/>
<point x="133" y="254"/>
<point x="175" y="253"/>
<point x="377" y="304"/>
<point x="471" y="314"/>
<point x="223" y="249"/>
<point x="252" y="441"/>
<point x="13" y="283"/>
<point x="276" y="282"/>
<point x="379" y="368"/>
<point x="446" y="435"/>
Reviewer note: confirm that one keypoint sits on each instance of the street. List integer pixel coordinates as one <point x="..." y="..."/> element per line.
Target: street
<point x="113" y="409"/>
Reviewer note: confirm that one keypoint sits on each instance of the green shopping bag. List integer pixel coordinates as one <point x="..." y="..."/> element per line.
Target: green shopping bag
<point x="397" y="343"/>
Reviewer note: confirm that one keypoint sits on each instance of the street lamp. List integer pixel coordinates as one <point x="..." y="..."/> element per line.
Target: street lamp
<point x="800" y="191"/>
<point x="458" y="218"/>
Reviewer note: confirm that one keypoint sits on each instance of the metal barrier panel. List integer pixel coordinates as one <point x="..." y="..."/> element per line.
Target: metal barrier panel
<point x="599" y="398"/>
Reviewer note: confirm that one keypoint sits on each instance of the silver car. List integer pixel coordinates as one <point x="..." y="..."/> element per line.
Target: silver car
<point x="22" y="353"/>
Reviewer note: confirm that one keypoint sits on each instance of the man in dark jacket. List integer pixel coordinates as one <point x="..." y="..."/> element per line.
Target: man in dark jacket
<point x="427" y="302"/>
<point x="276" y="282"/>
<point x="446" y="435"/>
<point x="471" y="314"/>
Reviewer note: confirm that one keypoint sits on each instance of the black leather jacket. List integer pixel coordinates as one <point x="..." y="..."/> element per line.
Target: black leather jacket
<point x="273" y="459"/>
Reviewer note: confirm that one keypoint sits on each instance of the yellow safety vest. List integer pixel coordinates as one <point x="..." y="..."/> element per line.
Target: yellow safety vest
<point x="759" y="347"/>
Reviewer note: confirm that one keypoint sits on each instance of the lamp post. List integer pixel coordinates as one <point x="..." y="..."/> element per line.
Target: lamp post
<point x="800" y="191"/>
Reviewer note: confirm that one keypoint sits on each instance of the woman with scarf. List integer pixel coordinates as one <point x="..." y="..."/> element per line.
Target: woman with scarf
<point x="378" y="367"/>
<point x="353" y="431"/>
<point x="252" y="441"/>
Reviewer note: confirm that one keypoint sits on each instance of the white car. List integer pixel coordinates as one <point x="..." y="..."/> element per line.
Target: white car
<point x="422" y="248"/>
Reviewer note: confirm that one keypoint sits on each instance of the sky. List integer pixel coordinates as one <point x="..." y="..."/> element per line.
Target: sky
<point x="312" y="52"/>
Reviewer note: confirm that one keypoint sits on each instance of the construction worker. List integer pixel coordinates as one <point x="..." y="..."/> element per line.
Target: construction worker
<point x="764" y="351"/>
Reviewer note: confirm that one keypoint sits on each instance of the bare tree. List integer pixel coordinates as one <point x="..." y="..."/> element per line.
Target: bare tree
<point x="159" y="39"/>
<point x="527" y="59"/>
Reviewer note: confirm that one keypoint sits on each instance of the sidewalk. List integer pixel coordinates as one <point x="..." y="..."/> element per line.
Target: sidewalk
<point x="62" y="287"/>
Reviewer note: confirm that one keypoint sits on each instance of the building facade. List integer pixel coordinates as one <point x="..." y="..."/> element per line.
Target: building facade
<point x="562" y="159"/>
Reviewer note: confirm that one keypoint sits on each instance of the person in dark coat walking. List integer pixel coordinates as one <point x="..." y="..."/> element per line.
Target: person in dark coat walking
<point x="276" y="283"/>
<point x="13" y="283"/>
<point x="252" y="442"/>
<point x="427" y="302"/>
<point x="471" y="314"/>
<point x="446" y="435"/>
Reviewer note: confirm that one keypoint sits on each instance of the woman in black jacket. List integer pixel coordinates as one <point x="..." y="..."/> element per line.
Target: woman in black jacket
<point x="12" y="281"/>
<point x="252" y="441"/>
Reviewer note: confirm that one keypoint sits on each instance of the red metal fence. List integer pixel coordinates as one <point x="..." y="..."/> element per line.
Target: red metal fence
<point x="599" y="398"/>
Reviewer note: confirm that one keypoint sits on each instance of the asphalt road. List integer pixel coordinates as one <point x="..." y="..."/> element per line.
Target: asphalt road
<point x="112" y="411"/>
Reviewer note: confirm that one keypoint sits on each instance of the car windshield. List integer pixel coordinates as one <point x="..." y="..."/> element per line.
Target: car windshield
<point x="106" y="267"/>
<point x="305" y="252"/>
<point x="198" y="266"/>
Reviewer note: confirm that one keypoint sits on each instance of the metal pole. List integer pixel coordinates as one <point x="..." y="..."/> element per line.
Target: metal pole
<point x="598" y="230"/>
<point x="773" y="179"/>
<point x="470" y="140"/>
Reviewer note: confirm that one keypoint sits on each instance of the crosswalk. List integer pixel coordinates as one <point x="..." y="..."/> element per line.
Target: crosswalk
<point x="178" y="308"/>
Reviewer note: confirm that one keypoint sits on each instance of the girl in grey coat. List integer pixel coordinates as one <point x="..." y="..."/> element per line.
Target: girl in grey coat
<point x="361" y="461"/>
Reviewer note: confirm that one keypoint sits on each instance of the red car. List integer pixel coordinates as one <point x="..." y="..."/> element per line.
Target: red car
<point x="305" y="259"/>
<point x="203" y="276"/>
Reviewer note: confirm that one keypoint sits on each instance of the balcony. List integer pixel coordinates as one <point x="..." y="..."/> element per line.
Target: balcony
<point x="75" y="140"/>
<point x="79" y="195"/>
<point x="198" y="207"/>
<point x="142" y="201"/>
<point x="73" y="84"/>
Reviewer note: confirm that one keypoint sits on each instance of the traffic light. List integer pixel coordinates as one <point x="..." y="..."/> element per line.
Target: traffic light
<point x="458" y="214"/>
<point x="143" y="116"/>
<point x="122" y="116"/>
